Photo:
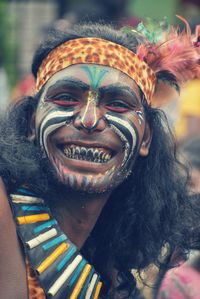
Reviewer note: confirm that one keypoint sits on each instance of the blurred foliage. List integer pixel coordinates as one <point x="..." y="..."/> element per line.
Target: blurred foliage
<point x="155" y="9"/>
<point x="8" y="45"/>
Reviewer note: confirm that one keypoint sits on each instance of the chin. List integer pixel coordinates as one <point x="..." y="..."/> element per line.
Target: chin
<point x="92" y="184"/>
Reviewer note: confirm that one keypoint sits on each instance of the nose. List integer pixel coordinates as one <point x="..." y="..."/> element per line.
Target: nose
<point x="90" y="117"/>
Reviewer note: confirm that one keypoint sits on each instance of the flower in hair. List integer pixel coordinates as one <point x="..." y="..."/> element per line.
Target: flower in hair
<point x="171" y="50"/>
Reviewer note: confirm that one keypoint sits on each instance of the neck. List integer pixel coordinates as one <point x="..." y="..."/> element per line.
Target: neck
<point x="78" y="213"/>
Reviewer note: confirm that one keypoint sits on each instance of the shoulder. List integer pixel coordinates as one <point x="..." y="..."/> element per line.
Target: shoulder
<point x="7" y="224"/>
<point x="5" y="211"/>
<point x="12" y="266"/>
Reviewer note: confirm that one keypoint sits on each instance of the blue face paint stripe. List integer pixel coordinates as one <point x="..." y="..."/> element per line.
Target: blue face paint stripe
<point x="84" y="181"/>
<point x="74" y="181"/>
<point x="69" y="254"/>
<point x="68" y="180"/>
<point x="95" y="75"/>
<point x="42" y="227"/>
<point x="54" y="242"/>
<point x="91" y="182"/>
<point x="88" y="70"/>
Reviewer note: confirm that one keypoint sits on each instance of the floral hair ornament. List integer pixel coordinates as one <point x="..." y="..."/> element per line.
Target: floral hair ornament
<point x="167" y="49"/>
<point x="163" y="49"/>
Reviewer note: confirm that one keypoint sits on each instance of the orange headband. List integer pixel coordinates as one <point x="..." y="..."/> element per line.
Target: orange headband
<point x="97" y="51"/>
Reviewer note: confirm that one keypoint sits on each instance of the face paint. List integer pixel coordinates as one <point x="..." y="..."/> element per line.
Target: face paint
<point x="53" y="120"/>
<point x="140" y="116"/>
<point x="95" y="75"/>
<point x="89" y="118"/>
<point x="127" y="133"/>
<point x="87" y="155"/>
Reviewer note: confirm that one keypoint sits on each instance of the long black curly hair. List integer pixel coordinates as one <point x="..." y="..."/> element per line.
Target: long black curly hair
<point x="148" y="210"/>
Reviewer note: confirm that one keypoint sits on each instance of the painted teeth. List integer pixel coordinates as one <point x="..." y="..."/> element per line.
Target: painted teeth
<point x="89" y="154"/>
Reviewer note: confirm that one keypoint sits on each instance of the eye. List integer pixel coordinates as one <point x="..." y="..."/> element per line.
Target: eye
<point x="64" y="99"/>
<point x="118" y="106"/>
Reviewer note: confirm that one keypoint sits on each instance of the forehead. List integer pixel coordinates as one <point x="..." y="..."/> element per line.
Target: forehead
<point x="93" y="75"/>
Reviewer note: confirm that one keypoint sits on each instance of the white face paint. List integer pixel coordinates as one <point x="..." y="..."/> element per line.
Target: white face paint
<point x="87" y="124"/>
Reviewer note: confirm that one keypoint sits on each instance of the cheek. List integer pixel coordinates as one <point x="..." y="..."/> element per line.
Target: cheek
<point x="126" y="129"/>
<point x="52" y="120"/>
<point x="42" y="111"/>
<point x="140" y="116"/>
<point x="137" y="121"/>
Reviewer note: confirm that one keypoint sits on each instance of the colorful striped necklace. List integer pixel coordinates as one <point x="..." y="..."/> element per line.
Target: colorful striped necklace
<point x="60" y="268"/>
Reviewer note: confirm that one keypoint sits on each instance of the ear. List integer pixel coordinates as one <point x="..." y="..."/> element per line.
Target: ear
<point x="32" y="133"/>
<point x="146" y="142"/>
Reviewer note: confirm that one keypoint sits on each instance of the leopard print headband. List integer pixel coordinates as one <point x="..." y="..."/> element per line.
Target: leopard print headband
<point x="97" y="51"/>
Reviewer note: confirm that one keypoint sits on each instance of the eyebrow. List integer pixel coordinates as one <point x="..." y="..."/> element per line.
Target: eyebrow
<point x="70" y="82"/>
<point x="119" y="89"/>
<point x="73" y="82"/>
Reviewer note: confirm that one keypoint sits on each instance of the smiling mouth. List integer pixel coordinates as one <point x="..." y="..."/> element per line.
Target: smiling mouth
<point x="90" y="154"/>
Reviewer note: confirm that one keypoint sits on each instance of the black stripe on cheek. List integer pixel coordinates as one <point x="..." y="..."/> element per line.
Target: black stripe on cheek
<point x="53" y="121"/>
<point x="122" y="128"/>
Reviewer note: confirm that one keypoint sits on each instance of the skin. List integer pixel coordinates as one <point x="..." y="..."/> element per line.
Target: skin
<point x="101" y="113"/>
<point x="12" y="270"/>
<point x="89" y="117"/>
<point x="89" y="99"/>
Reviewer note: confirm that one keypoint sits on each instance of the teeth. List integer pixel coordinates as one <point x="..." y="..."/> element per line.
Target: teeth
<point x="101" y="155"/>
<point x="89" y="154"/>
<point x="107" y="157"/>
<point x="77" y="151"/>
<point x="96" y="153"/>
<point x="83" y="151"/>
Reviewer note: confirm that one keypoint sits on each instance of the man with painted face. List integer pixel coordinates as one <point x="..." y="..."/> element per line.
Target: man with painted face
<point x="90" y="182"/>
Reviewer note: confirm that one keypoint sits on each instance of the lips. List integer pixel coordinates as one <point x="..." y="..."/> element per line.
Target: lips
<point x="91" y="154"/>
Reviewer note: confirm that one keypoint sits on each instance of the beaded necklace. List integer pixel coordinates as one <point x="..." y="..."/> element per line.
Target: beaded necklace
<point x="60" y="268"/>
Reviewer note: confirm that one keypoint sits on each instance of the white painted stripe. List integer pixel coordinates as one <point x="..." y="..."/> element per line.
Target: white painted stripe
<point x="124" y="139"/>
<point x="126" y="125"/>
<point x="48" y="131"/>
<point x="42" y="238"/>
<point x="25" y="199"/>
<point x="64" y="276"/>
<point x="91" y="286"/>
<point x="54" y="114"/>
<point x="123" y="123"/>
